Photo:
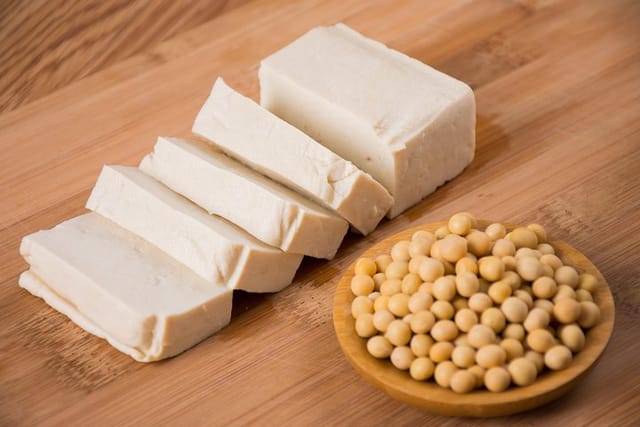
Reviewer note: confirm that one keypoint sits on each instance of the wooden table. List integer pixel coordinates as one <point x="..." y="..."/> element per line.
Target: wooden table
<point x="558" y="92"/>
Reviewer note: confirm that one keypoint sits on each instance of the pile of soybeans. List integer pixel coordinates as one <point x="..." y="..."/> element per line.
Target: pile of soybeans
<point x="472" y="308"/>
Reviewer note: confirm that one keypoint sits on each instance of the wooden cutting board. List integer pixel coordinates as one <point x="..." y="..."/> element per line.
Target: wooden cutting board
<point x="558" y="93"/>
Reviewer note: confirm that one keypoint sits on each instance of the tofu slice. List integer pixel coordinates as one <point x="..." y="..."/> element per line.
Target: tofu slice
<point x="246" y="131"/>
<point x="212" y="247"/>
<point x="117" y="286"/>
<point x="408" y="125"/>
<point x="265" y="209"/>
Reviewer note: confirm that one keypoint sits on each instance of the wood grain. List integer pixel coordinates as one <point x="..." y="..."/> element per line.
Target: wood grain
<point x="44" y="45"/>
<point x="558" y="135"/>
<point x="480" y="403"/>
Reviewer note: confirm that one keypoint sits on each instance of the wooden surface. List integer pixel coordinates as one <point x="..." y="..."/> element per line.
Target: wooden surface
<point x="558" y="95"/>
<point x="46" y="44"/>
<point x="480" y="403"/>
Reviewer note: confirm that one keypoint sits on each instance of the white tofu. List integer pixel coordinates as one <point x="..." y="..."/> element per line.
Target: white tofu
<point x="211" y="246"/>
<point x="265" y="209"/>
<point x="115" y="285"/>
<point x="246" y="131"/>
<point x="408" y="125"/>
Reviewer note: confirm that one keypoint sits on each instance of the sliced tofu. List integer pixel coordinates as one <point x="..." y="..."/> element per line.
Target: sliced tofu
<point x="408" y="125"/>
<point x="211" y="246"/>
<point x="265" y="209"/>
<point x="246" y="131"/>
<point x="117" y="286"/>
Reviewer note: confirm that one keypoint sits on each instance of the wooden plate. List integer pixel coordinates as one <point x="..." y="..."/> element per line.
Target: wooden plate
<point x="481" y="403"/>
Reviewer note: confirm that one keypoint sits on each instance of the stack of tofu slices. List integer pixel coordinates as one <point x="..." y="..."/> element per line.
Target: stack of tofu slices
<point x="348" y="131"/>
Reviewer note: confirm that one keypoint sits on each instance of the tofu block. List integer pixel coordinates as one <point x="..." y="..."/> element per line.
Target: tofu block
<point x="265" y="209"/>
<point x="211" y="246"/>
<point x="408" y="125"/>
<point x="269" y="145"/>
<point x="117" y="286"/>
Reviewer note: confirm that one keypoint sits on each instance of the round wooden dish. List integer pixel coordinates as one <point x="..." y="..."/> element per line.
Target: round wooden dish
<point x="480" y="403"/>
